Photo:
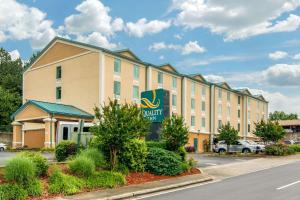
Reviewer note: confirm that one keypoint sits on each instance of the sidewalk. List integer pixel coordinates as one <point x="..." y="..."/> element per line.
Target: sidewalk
<point x="141" y="189"/>
<point x="240" y="168"/>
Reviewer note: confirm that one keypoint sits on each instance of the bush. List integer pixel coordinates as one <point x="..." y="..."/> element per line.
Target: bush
<point x="278" y="150"/>
<point x="34" y="188"/>
<point x="295" y="147"/>
<point x="12" y="192"/>
<point x="20" y="170"/>
<point x="182" y="153"/>
<point x="65" y="149"/>
<point x="163" y="162"/>
<point x="105" y="179"/>
<point x="39" y="160"/>
<point x="95" y="155"/>
<point x="65" y="184"/>
<point x="134" y="154"/>
<point x="82" y="166"/>
<point x="190" y="149"/>
<point x="156" y="144"/>
<point x="122" y="168"/>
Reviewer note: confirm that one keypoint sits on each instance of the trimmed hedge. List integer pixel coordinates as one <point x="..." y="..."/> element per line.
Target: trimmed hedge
<point x="39" y="160"/>
<point x="164" y="162"/>
<point x="12" y="192"/>
<point x="65" y="149"/>
<point x="82" y="166"/>
<point x="278" y="150"/>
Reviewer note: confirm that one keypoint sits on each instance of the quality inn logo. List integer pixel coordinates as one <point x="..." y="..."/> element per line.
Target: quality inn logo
<point x="146" y="103"/>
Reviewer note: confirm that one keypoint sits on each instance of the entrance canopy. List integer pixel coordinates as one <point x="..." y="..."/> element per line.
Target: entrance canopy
<point x="37" y="111"/>
<point x="46" y="115"/>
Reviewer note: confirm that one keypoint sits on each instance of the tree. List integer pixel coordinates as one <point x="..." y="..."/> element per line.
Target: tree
<point x="10" y="88"/>
<point x="174" y="132"/>
<point x="269" y="131"/>
<point x="117" y="125"/>
<point x="32" y="59"/>
<point x="229" y="134"/>
<point x="280" y="115"/>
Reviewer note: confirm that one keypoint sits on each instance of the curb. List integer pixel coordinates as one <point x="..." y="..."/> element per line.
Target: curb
<point x="158" y="189"/>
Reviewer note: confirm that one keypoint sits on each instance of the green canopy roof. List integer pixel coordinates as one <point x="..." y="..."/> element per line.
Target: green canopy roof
<point x="56" y="109"/>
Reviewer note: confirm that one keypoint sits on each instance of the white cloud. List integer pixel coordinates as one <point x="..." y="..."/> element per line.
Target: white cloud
<point x="214" y="78"/>
<point x="19" y="22"/>
<point x="279" y="101"/>
<point x="297" y="56"/>
<point x="178" y="36"/>
<point x="14" y="54"/>
<point x="238" y="19"/>
<point x="282" y="75"/>
<point x="161" y="57"/>
<point x="93" y="16"/>
<point x="192" y="47"/>
<point x="188" y="48"/>
<point x="278" y="55"/>
<point x="143" y="27"/>
<point x="97" y="38"/>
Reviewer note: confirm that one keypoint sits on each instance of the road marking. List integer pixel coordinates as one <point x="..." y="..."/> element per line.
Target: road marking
<point x="288" y="185"/>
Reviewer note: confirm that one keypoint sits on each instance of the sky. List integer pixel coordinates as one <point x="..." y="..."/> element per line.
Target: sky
<point x="249" y="44"/>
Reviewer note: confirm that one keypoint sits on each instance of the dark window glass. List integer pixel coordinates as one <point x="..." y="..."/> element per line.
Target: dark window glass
<point x="58" y="72"/>
<point x="58" y="92"/>
<point x="65" y="133"/>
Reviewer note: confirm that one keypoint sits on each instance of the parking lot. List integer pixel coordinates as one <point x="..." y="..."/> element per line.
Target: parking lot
<point x="207" y="160"/>
<point x="5" y="156"/>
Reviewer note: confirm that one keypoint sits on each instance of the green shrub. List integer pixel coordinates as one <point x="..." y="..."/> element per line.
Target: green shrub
<point x="82" y="166"/>
<point x="39" y="160"/>
<point x="182" y="153"/>
<point x="20" y="170"/>
<point x="65" y="149"/>
<point x="278" y="150"/>
<point x="295" y="147"/>
<point x="12" y="192"/>
<point x="105" y="179"/>
<point x="34" y="188"/>
<point x="95" y="155"/>
<point x="122" y="168"/>
<point x="163" y="162"/>
<point x="156" y="144"/>
<point x="134" y="155"/>
<point x="64" y="184"/>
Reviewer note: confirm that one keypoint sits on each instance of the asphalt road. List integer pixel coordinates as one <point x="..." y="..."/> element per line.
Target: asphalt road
<point x="5" y="156"/>
<point x="205" y="160"/>
<point x="280" y="183"/>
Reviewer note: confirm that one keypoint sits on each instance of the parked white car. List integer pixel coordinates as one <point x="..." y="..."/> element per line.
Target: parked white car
<point x="239" y="146"/>
<point x="2" y="146"/>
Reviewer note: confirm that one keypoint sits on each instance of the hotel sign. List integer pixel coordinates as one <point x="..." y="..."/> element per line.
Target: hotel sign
<point x="155" y="104"/>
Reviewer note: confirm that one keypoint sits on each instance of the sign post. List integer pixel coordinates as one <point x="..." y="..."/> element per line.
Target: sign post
<point x="156" y="106"/>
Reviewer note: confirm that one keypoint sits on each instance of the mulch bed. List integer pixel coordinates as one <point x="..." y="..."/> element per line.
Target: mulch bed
<point x="132" y="178"/>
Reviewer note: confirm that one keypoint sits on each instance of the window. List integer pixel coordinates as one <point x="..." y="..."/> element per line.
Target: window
<point x="174" y="82"/>
<point x="220" y="93"/>
<point x="228" y="96"/>
<point x="249" y="102"/>
<point x="219" y="123"/>
<point x="117" y="88"/>
<point x="239" y="127"/>
<point x="239" y="100"/>
<point x="203" y="91"/>
<point x="192" y="120"/>
<point x="58" y="93"/>
<point x="249" y="128"/>
<point x="58" y="72"/>
<point x="160" y="78"/>
<point x="203" y="106"/>
<point x="228" y="111"/>
<point x="193" y="89"/>
<point x="65" y="133"/>
<point x="193" y="104"/>
<point x="136" y="72"/>
<point x="220" y="109"/>
<point x="249" y="115"/>
<point x="239" y="113"/>
<point x="203" y="122"/>
<point x="174" y="100"/>
<point x="117" y="66"/>
<point x="86" y="129"/>
<point x="135" y="92"/>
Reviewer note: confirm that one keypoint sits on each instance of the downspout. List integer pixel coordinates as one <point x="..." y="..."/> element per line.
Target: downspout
<point x="212" y="115"/>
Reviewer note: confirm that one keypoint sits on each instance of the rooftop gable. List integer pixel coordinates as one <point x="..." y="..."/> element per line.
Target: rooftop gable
<point x="128" y="53"/>
<point x="198" y="77"/>
<point x="224" y="85"/>
<point x="169" y="68"/>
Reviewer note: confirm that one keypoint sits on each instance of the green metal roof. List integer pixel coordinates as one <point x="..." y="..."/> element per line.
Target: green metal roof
<point x="56" y="109"/>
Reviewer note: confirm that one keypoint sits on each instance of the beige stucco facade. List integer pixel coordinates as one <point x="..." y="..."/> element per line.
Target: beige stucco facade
<point x="88" y="76"/>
